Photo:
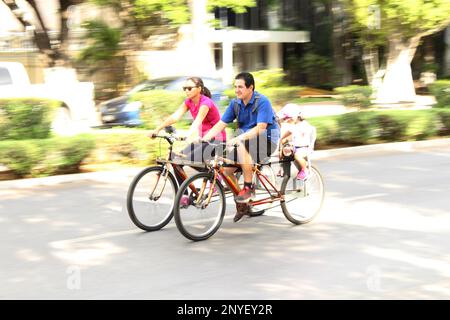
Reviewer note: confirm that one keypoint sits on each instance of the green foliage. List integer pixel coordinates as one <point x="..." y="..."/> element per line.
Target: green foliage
<point x="174" y="11"/>
<point x="414" y="16"/>
<point x="26" y="118"/>
<point x="131" y="147"/>
<point x="19" y="156"/>
<point x="278" y="96"/>
<point x="317" y="68"/>
<point x="326" y="129"/>
<point x="238" y="6"/>
<point x="441" y="91"/>
<point x="150" y="12"/>
<point x="269" y="78"/>
<point x="281" y="96"/>
<point x="355" y="96"/>
<point x="157" y="105"/>
<point x="443" y="117"/>
<point x="390" y="128"/>
<point x="47" y="156"/>
<point x="103" y="42"/>
<point x="354" y="128"/>
<point x="358" y="128"/>
<point x="270" y="82"/>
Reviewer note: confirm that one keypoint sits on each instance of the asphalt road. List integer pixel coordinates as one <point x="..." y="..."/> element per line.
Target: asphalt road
<point x="383" y="233"/>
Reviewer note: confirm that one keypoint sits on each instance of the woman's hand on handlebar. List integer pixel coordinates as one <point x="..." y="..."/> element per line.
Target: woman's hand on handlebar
<point x="152" y="134"/>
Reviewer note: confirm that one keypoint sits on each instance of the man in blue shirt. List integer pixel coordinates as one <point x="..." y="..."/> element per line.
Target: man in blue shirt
<point x="258" y="131"/>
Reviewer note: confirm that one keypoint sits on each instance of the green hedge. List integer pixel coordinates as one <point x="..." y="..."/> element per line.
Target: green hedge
<point x="22" y="119"/>
<point x="368" y="127"/>
<point x="443" y="117"/>
<point x="269" y="78"/>
<point x="278" y="97"/>
<point x="355" y="96"/>
<point x="270" y="82"/>
<point x="157" y="105"/>
<point x="441" y="90"/>
<point x="45" y="157"/>
<point x="130" y="147"/>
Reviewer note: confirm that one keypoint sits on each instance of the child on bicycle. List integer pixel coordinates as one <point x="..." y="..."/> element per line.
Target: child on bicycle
<point x="297" y="138"/>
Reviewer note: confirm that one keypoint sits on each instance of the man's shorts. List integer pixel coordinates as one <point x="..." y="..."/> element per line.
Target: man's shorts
<point x="259" y="148"/>
<point x="200" y="152"/>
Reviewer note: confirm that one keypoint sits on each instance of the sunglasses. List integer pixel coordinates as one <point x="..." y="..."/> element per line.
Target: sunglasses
<point x="189" y="88"/>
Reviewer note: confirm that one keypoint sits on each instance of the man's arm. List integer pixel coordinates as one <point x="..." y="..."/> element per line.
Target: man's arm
<point x="254" y="132"/>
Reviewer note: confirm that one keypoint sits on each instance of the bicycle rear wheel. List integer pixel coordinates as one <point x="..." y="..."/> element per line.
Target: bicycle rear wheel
<point x="151" y="197"/>
<point x="303" y="198"/>
<point x="196" y="218"/>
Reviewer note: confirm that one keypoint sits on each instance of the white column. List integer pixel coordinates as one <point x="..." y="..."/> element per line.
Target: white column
<point x="200" y="53"/>
<point x="274" y="55"/>
<point x="227" y="58"/>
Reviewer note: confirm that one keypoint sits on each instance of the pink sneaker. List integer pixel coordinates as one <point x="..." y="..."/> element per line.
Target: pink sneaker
<point x="302" y="175"/>
<point x="185" y="202"/>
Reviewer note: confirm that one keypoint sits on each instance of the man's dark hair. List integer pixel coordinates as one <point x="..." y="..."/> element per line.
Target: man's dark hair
<point x="247" y="77"/>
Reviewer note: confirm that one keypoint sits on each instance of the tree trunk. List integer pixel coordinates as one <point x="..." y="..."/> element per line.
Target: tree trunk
<point x="338" y="40"/>
<point x="397" y="85"/>
<point x="53" y="55"/>
<point x="371" y="64"/>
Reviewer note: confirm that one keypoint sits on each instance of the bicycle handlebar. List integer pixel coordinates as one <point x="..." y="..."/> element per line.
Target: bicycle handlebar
<point x="171" y="138"/>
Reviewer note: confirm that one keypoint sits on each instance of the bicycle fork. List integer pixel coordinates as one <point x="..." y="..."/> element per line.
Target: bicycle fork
<point x="198" y="201"/>
<point x="165" y="174"/>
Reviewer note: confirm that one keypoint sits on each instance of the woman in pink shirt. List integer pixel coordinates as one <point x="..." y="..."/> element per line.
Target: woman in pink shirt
<point x="205" y="114"/>
<point x="202" y="108"/>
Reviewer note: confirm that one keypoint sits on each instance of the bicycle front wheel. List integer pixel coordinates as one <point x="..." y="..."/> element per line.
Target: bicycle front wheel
<point x="197" y="215"/>
<point x="151" y="197"/>
<point x="303" y="198"/>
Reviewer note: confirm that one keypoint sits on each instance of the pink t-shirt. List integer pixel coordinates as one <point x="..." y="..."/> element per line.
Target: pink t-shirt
<point x="212" y="117"/>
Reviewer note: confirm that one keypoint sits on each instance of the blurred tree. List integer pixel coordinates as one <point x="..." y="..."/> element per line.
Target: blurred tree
<point x="142" y="18"/>
<point x="53" y="49"/>
<point x="399" y="25"/>
<point x="139" y="20"/>
<point x="238" y="6"/>
<point x="103" y="44"/>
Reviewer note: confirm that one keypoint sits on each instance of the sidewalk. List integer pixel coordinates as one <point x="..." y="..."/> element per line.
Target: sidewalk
<point x="118" y="175"/>
<point x="328" y="108"/>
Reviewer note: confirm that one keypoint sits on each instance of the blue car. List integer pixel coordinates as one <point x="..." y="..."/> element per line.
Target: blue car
<point x="120" y="111"/>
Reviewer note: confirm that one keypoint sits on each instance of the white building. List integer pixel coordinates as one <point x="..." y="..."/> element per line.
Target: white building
<point x="245" y="41"/>
<point x="241" y="44"/>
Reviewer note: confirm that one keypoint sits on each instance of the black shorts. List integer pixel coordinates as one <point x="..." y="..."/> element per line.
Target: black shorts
<point x="259" y="148"/>
<point x="200" y="152"/>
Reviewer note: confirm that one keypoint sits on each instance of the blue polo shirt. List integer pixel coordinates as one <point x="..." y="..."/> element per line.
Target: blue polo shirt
<point x="248" y="119"/>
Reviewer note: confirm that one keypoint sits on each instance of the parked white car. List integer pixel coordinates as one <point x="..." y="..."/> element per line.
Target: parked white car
<point x="77" y="112"/>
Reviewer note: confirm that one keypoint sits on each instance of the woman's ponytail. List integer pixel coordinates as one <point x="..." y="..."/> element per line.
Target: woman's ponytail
<point x="206" y="92"/>
<point x="199" y="82"/>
